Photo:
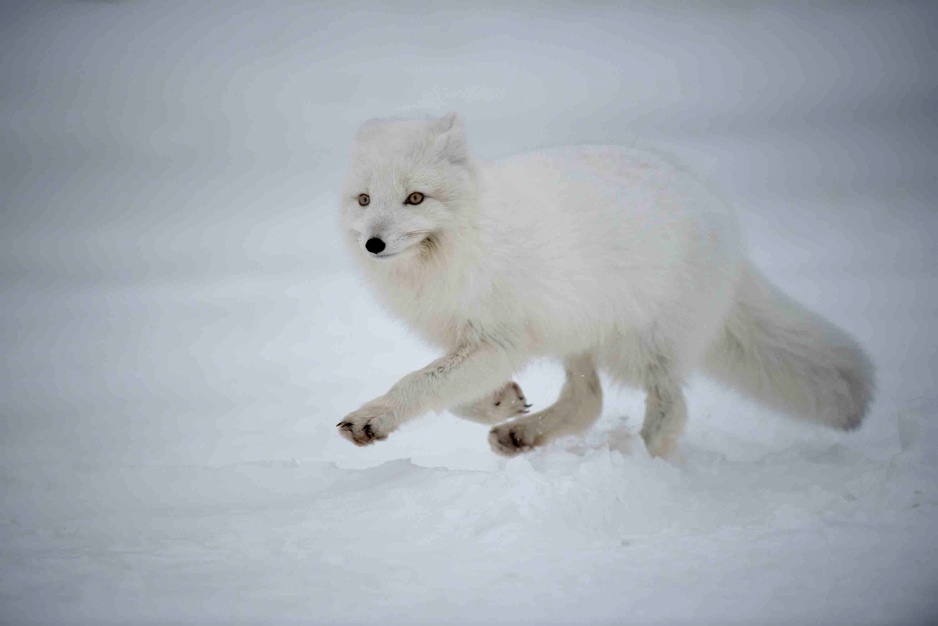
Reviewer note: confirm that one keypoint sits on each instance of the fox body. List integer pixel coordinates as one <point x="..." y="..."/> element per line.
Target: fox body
<point x="608" y="259"/>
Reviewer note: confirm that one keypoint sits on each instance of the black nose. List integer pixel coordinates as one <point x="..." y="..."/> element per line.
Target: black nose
<point x="374" y="245"/>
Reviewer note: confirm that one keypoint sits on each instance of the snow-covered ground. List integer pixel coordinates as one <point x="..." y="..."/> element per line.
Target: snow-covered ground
<point x="181" y="329"/>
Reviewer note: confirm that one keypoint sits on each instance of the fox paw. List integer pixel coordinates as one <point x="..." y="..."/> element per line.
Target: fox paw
<point x="496" y="407"/>
<point x="373" y="422"/>
<point x="508" y="402"/>
<point x="514" y="438"/>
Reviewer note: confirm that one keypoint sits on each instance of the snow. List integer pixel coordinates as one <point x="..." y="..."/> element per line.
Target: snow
<point x="181" y="329"/>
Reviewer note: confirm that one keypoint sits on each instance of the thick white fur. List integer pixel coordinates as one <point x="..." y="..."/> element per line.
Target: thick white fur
<point x="603" y="257"/>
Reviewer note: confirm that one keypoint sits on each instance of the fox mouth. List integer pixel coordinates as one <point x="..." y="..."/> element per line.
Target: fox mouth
<point x="418" y="240"/>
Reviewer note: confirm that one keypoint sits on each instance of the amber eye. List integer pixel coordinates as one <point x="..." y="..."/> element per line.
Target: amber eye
<point x="364" y="200"/>
<point x="414" y="198"/>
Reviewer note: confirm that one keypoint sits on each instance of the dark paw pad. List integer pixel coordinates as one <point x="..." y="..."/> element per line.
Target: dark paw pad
<point x="511" y="440"/>
<point x="362" y="436"/>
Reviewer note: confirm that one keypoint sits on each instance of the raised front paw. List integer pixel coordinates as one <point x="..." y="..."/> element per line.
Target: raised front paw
<point x="514" y="438"/>
<point x="496" y="407"/>
<point x="508" y="402"/>
<point x="373" y="422"/>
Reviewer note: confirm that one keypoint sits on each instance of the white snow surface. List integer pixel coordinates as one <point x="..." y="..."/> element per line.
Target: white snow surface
<point x="181" y="328"/>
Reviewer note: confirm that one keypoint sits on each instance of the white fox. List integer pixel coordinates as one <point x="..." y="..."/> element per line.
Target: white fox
<point x="606" y="258"/>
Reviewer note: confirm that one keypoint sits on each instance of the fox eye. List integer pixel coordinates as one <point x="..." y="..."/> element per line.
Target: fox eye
<point x="414" y="198"/>
<point x="364" y="199"/>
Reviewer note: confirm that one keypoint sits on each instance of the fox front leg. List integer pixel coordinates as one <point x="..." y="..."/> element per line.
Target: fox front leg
<point x="452" y="380"/>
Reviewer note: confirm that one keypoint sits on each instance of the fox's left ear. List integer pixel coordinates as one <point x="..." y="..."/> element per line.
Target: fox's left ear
<point x="451" y="138"/>
<point x="447" y="122"/>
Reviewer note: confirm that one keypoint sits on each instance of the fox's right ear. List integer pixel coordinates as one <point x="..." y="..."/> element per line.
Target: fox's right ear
<point x="368" y="126"/>
<point x="451" y="138"/>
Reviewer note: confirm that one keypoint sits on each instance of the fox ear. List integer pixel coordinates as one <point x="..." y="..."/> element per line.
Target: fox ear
<point x="451" y="138"/>
<point x="447" y="122"/>
<point x="369" y="126"/>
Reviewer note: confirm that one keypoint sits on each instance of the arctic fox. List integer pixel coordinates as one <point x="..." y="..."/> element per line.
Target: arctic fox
<point x="608" y="259"/>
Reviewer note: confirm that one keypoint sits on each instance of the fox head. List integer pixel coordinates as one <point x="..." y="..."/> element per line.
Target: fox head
<point x="410" y="186"/>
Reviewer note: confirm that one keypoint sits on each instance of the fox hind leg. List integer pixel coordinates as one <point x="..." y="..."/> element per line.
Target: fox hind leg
<point x="649" y="360"/>
<point x="665" y="417"/>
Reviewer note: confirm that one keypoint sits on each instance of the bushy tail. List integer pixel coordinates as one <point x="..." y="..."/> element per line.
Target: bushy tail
<point x="779" y="353"/>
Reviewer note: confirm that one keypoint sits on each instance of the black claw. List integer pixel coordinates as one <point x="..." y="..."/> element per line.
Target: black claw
<point x="499" y="403"/>
<point x="345" y="425"/>
<point x="368" y="432"/>
<point x="528" y="406"/>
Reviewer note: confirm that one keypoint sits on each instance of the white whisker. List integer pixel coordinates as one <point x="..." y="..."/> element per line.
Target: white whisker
<point x="417" y="233"/>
